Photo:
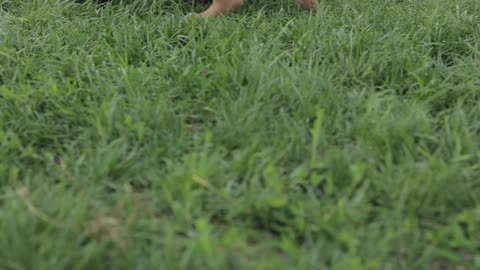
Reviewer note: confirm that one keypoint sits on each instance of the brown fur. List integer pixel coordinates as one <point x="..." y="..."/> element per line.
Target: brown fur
<point x="222" y="7"/>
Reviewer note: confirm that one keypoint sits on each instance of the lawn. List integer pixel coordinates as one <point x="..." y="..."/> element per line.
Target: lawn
<point x="132" y="137"/>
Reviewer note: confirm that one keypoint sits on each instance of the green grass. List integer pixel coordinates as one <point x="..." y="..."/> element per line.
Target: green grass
<point x="134" y="138"/>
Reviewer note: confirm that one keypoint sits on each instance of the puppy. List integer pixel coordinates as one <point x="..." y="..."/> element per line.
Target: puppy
<point x="222" y="7"/>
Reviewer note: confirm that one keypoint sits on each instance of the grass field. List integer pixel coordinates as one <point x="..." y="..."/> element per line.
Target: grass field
<point x="132" y="137"/>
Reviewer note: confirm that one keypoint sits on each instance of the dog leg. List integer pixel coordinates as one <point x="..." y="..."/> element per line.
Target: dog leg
<point x="309" y="4"/>
<point x="221" y="7"/>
